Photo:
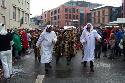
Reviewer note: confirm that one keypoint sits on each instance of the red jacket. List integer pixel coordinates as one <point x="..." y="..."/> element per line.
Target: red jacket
<point x="25" y="43"/>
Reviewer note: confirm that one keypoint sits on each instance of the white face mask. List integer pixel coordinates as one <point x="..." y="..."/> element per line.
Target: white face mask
<point x="2" y="30"/>
<point x="1" y="26"/>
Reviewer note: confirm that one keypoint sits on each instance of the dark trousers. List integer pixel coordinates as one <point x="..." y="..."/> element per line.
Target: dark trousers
<point x="124" y="52"/>
<point x="112" y="53"/>
<point x="97" y="52"/>
<point x="104" y="49"/>
<point x="91" y="65"/>
<point x="37" y="53"/>
<point x="47" y="67"/>
<point x="16" y="54"/>
<point x="30" y="44"/>
<point x="117" y="50"/>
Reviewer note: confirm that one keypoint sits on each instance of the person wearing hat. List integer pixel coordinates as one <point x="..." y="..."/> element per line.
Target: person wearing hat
<point x="88" y="37"/>
<point x="17" y="46"/>
<point x="5" y="51"/>
<point x="46" y="42"/>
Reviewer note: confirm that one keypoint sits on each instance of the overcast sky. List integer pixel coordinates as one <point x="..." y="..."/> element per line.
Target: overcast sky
<point x="38" y="5"/>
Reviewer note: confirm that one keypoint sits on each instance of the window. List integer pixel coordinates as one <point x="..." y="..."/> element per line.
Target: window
<point x="54" y="23"/>
<point x="25" y="18"/>
<point x="73" y="16"/>
<point x="14" y="13"/>
<point x="23" y="14"/>
<point x="28" y="16"/>
<point x="98" y="20"/>
<point x="51" y="18"/>
<point x="3" y="3"/>
<point x="22" y="19"/>
<point x="28" y="5"/>
<point x="55" y="18"/>
<point x="66" y="10"/>
<point x="94" y="14"/>
<point x="98" y="13"/>
<point x="3" y="20"/>
<point x="103" y="19"/>
<point x="77" y="10"/>
<point x="55" y="12"/>
<point x="58" y="23"/>
<point x="77" y="17"/>
<point x="66" y="16"/>
<point x="73" y="10"/>
<point x="70" y="16"/>
<point x="58" y="17"/>
<point x="70" y="11"/>
<point x="103" y="12"/>
<point x="58" y="10"/>
<point x="51" y="13"/>
<point x="18" y="14"/>
<point x="45" y="15"/>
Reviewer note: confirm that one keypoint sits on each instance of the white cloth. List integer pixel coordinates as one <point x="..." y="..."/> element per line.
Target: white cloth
<point x="46" y="41"/>
<point x="2" y="29"/>
<point x="6" y="59"/>
<point x="88" y="41"/>
<point x="29" y="36"/>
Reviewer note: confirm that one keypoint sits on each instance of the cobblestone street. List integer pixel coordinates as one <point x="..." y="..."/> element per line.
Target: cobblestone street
<point x="106" y="71"/>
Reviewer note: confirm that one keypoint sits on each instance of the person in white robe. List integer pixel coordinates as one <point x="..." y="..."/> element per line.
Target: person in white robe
<point x="5" y="51"/>
<point x="46" y="42"/>
<point x="88" y="37"/>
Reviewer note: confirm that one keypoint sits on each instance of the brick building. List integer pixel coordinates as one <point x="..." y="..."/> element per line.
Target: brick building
<point x="46" y="17"/>
<point x="70" y="13"/>
<point x="65" y="16"/>
<point x="104" y="14"/>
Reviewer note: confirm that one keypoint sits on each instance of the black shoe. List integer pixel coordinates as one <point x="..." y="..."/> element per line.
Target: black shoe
<point x="123" y="59"/>
<point x="68" y="63"/>
<point x="104" y="56"/>
<point x="92" y="70"/>
<point x="46" y="71"/>
<point x="39" y="59"/>
<point x="50" y="66"/>
<point x="85" y="62"/>
<point x="98" y="57"/>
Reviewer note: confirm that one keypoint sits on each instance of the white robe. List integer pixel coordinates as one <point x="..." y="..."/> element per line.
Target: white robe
<point x="89" y="46"/>
<point x="46" y="41"/>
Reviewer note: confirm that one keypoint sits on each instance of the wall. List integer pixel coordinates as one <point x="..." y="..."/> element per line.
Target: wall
<point x="22" y="5"/>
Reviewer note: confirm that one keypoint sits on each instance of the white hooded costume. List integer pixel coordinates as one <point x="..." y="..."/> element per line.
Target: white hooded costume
<point x="46" y="41"/>
<point x="6" y="55"/>
<point x="88" y="41"/>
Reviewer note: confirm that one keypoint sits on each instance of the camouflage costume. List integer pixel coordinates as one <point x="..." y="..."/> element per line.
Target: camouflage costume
<point x="69" y="45"/>
<point x="34" y="40"/>
<point x="58" y="47"/>
<point x="65" y="45"/>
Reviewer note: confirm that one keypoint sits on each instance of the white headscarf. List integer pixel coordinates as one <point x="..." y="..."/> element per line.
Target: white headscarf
<point x="85" y="27"/>
<point x="48" y="26"/>
<point x="2" y="29"/>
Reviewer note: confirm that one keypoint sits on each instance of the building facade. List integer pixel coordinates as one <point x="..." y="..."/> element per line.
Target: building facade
<point x="15" y="13"/>
<point x="105" y="14"/>
<point x="46" y="17"/>
<point x="65" y="16"/>
<point x="84" y="10"/>
<point x="70" y="13"/>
